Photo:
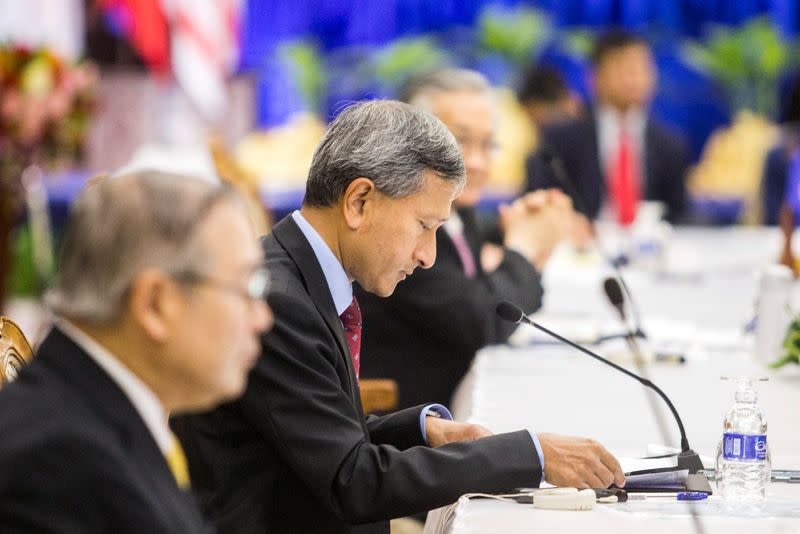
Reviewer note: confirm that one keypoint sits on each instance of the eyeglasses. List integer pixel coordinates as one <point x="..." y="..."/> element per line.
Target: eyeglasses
<point x="482" y="146"/>
<point x="256" y="286"/>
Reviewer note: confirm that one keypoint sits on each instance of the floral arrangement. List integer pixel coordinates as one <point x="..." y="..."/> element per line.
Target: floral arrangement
<point x="45" y="105"/>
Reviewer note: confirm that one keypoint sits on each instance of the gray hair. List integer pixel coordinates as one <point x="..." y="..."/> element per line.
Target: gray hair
<point x="418" y="90"/>
<point x="119" y="226"/>
<point x="389" y="142"/>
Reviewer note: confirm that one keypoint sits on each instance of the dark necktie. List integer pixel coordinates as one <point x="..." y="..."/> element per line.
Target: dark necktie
<point x="351" y="320"/>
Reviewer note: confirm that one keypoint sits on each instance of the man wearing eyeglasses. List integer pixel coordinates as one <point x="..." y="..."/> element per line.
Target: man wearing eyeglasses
<point x="159" y="304"/>
<point x="426" y="334"/>
<point x="296" y="453"/>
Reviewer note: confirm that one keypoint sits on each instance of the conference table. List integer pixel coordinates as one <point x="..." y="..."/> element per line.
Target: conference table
<point x="695" y="300"/>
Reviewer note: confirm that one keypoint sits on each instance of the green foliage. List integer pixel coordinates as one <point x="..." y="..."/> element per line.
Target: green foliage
<point x="517" y="34"/>
<point x="578" y="43"/>
<point x="403" y="58"/>
<point x="747" y="61"/>
<point x="791" y="345"/>
<point x="308" y="72"/>
<point x="23" y="281"/>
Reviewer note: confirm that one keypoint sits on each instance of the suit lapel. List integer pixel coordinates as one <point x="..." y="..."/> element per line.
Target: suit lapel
<point x="649" y="160"/>
<point x="593" y="135"/>
<point x="291" y="238"/>
<point x="103" y="395"/>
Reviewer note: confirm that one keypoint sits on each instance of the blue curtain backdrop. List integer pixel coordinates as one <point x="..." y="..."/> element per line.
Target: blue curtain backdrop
<point x="345" y="22"/>
<point x="686" y="99"/>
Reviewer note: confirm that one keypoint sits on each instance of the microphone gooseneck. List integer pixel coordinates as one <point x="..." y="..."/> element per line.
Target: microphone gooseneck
<point x="511" y="312"/>
<point x="617" y="299"/>
<point x="553" y="161"/>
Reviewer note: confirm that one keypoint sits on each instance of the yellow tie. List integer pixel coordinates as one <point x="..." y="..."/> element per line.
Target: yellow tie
<point x="177" y="464"/>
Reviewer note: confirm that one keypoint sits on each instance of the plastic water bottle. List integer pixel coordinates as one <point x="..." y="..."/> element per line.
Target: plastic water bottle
<point x="743" y="463"/>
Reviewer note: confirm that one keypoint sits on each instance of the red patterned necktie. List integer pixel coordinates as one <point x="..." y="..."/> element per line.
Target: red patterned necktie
<point x="623" y="178"/>
<point x="351" y="320"/>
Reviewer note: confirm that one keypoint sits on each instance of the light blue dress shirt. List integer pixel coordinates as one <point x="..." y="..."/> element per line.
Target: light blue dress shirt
<point x="342" y="292"/>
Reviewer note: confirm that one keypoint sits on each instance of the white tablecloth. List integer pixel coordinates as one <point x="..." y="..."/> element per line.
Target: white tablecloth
<point x="702" y="299"/>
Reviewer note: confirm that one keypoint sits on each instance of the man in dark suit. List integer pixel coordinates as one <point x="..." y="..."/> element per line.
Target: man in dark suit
<point x="152" y="318"/>
<point x="426" y="334"/>
<point x="616" y="154"/>
<point x="296" y="453"/>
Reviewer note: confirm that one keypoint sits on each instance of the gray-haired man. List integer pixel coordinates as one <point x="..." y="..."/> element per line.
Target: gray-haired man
<point x="159" y="305"/>
<point x="296" y="453"/>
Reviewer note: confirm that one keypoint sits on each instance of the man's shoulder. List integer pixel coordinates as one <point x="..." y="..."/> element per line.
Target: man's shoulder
<point x="569" y="129"/>
<point x="285" y="275"/>
<point x="666" y="137"/>
<point x="45" y="405"/>
<point x="43" y="422"/>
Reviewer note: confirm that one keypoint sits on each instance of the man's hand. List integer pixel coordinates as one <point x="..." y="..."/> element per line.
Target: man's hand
<point x="535" y="223"/>
<point x="491" y="257"/>
<point x="442" y="431"/>
<point x="578" y="463"/>
<point x="582" y="231"/>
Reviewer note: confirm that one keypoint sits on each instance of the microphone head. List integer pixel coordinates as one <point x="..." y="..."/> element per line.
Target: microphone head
<point x="614" y="292"/>
<point x="509" y="312"/>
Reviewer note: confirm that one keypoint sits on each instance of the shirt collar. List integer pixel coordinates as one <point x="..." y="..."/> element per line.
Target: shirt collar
<point x="138" y="393"/>
<point x="454" y="225"/>
<point x="338" y="282"/>
<point x="634" y="119"/>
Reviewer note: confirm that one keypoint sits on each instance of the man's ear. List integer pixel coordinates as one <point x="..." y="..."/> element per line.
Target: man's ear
<point x="357" y="201"/>
<point x="153" y="303"/>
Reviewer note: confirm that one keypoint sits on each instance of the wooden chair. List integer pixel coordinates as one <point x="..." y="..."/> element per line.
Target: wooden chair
<point x="232" y="173"/>
<point x="15" y="351"/>
<point x="378" y="395"/>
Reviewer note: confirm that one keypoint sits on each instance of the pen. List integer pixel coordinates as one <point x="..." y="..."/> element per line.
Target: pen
<point x="681" y="496"/>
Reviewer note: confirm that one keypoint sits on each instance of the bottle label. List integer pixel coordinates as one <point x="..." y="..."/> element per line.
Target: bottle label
<point x="744" y="446"/>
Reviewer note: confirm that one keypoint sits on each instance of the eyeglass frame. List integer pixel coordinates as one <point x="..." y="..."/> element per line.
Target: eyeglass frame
<point x="258" y="283"/>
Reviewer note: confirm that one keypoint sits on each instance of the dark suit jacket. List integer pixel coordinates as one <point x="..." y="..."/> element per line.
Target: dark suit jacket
<point x="76" y="457"/>
<point x="425" y="335"/>
<point x="296" y="454"/>
<point x="575" y="142"/>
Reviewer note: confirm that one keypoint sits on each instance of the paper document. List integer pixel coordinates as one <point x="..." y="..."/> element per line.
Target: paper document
<point x="660" y="472"/>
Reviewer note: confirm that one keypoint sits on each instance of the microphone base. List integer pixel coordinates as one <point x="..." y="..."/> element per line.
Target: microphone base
<point x="695" y="480"/>
<point x="690" y="460"/>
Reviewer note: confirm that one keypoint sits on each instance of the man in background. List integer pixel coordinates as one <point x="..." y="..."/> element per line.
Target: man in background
<point x="617" y="154"/>
<point x="159" y="303"/>
<point x="546" y="97"/>
<point x="296" y="453"/>
<point x="426" y="334"/>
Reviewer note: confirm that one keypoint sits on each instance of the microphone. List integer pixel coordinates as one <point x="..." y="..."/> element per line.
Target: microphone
<point x="617" y="299"/>
<point x="555" y="164"/>
<point x="615" y="296"/>
<point x="687" y="458"/>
